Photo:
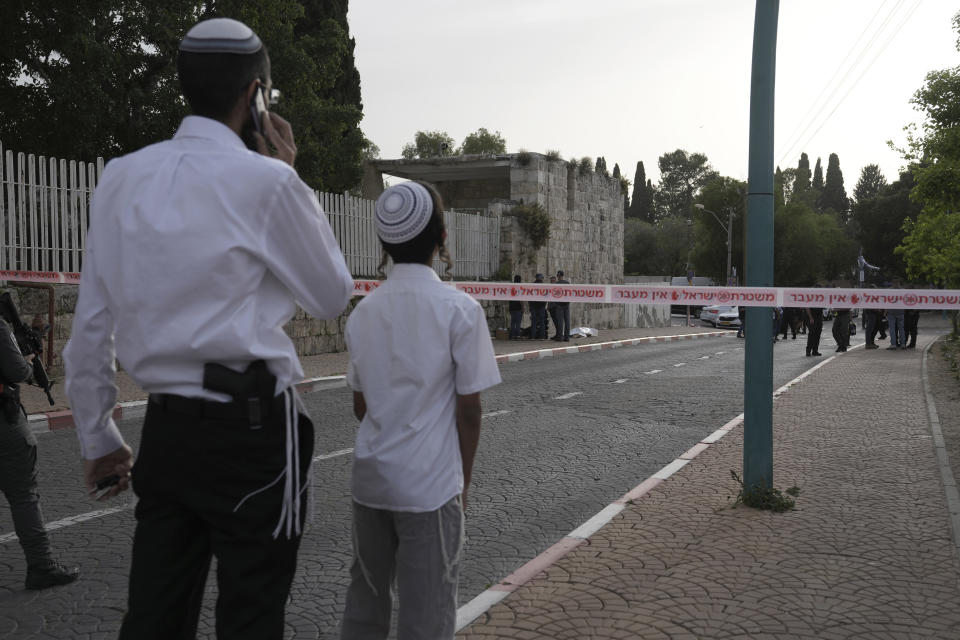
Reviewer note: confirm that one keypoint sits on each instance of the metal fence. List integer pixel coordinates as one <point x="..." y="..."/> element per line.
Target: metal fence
<point x="44" y="208"/>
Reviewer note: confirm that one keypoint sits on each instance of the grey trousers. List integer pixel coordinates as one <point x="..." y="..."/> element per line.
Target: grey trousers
<point x="420" y="553"/>
<point x="18" y="482"/>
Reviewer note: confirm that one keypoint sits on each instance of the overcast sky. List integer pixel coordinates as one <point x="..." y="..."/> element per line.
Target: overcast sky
<point x="632" y="79"/>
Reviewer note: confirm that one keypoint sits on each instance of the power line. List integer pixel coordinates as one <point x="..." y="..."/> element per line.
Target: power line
<point x="864" y="72"/>
<point x="798" y="131"/>
<point x="863" y="52"/>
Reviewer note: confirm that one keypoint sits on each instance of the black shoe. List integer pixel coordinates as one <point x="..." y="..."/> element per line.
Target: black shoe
<point x="53" y="575"/>
<point x="817" y="353"/>
<point x="808" y="353"/>
<point x="557" y="338"/>
<point x="566" y="340"/>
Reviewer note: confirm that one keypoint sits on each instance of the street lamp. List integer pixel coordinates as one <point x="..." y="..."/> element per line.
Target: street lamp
<point x="726" y="227"/>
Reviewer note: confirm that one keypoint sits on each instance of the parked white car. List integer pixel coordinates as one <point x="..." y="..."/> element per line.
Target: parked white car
<point x="721" y="316"/>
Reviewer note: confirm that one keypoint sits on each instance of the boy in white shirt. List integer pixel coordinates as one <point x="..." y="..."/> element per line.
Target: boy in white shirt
<point x="420" y="354"/>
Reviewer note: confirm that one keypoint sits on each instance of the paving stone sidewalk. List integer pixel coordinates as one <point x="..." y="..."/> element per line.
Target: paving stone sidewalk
<point x="867" y="553"/>
<point x="332" y="364"/>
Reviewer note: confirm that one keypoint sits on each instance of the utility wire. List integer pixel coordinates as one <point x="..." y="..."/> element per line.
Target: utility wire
<point x="863" y="52"/>
<point x="864" y="72"/>
<point x="797" y="132"/>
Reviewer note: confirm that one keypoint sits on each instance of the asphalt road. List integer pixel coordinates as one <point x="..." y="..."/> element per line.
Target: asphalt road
<point x="562" y="438"/>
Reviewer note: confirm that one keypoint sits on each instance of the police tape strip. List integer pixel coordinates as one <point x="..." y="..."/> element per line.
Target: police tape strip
<point x="645" y="294"/>
<point x="704" y="296"/>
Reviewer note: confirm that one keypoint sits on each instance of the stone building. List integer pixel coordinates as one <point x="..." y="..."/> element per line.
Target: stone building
<point x="585" y="211"/>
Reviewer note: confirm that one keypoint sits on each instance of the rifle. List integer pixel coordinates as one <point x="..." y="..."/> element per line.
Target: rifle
<point x="29" y="340"/>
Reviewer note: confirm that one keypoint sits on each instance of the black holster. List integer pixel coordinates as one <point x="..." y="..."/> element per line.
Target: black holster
<point x="253" y="388"/>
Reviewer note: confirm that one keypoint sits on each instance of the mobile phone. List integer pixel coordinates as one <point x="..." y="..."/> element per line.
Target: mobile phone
<point x="258" y="110"/>
<point x="103" y="486"/>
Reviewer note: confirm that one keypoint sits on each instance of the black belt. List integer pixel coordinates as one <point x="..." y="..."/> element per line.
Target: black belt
<point x="251" y="411"/>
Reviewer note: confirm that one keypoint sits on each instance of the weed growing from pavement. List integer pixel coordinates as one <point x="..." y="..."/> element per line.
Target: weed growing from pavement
<point x="766" y="498"/>
<point x="950" y="350"/>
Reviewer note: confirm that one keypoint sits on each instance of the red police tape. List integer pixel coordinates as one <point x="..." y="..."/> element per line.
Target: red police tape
<point x="645" y="294"/>
<point x="733" y="296"/>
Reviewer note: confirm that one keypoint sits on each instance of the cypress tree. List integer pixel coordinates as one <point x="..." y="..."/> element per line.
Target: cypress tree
<point x="639" y="185"/>
<point x="834" y="195"/>
<point x="818" y="176"/>
<point x="802" y="181"/>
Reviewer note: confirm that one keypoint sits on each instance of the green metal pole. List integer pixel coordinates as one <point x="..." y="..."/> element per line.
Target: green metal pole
<point x="758" y="369"/>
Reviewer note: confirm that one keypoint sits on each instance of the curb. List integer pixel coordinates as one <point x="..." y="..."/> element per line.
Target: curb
<point x="57" y="420"/>
<point x="950" y="490"/>
<point x="472" y="610"/>
<point x="598" y="346"/>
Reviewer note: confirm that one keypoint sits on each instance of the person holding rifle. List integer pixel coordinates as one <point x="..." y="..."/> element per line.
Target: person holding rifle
<point x="19" y="469"/>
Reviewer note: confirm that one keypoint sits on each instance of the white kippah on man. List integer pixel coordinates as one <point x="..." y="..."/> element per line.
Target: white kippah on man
<point x="199" y="250"/>
<point x="420" y="354"/>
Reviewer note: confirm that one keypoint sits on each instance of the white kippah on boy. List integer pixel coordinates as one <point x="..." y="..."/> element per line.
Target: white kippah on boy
<point x="420" y="354"/>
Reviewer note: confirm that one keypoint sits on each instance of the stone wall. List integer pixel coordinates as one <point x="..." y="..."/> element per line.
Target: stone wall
<point x="586" y="230"/>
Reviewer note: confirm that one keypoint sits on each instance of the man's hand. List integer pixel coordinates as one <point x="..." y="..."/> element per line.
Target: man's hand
<point x="280" y="136"/>
<point x="117" y="463"/>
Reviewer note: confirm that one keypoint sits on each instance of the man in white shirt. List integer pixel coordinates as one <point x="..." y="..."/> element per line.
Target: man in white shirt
<point x="198" y="253"/>
<point x="420" y="354"/>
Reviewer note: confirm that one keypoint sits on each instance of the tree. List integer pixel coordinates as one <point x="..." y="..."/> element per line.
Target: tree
<point x="879" y="221"/>
<point x="640" y="248"/>
<point x="817" y="183"/>
<point x="870" y="184"/>
<point x="616" y="171"/>
<point x="834" y="196"/>
<point x="80" y="80"/>
<point x="641" y="204"/>
<point x="482" y="141"/>
<point x="721" y="196"/>
<point x="789" y="177"/>
<point x="429" y="144"/>
<point x="682" y="175"/>
<point x="322" y="84"/>
<point x="931" y="247"/>
<point x="801" y="182"/>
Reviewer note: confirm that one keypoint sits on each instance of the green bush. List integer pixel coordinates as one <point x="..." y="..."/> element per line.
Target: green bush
<point x="535" y="223"/>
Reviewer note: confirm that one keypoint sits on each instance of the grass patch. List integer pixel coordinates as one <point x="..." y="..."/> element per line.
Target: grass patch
<point x="766" y="498"/>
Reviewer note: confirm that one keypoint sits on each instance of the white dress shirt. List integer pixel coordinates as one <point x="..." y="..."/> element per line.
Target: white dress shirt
<point x="415" y="344"/>
<point x="198" y="251"/>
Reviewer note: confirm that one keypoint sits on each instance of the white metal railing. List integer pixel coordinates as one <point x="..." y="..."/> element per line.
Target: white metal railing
<point x="44" y="207"/>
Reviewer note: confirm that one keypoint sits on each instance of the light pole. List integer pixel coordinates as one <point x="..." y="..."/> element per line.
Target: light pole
<point x="726" y="227"/>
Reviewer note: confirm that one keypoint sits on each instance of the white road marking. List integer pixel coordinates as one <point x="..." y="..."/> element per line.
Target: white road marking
<point x="332" y="454"/>
<point x="719" y="353"/>
<point x="703" y="358"/>
<point x="72" y="520"/>
<point x="680" y="364"/>
<point x="567" y="396"/>
<point x="494" y="414"/>
<point x="620" y="381"/>
<point x="652" y="371"/>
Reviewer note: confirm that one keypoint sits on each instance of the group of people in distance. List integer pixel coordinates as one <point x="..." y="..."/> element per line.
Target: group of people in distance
<point x="199" y="250"/>
<point x="538" y="329"/>
<point x="902" y="324"/>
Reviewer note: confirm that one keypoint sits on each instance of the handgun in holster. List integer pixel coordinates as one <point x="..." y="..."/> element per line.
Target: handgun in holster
<point x="252" y="389"/>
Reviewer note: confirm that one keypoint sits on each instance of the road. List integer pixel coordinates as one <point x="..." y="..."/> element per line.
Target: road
<point x="562" y="438"/>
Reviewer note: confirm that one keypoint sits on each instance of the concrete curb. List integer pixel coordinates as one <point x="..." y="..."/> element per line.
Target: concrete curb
<point x="951" y="492"/>
<point x="537" y="354"/>
<point x="57" y="420"/>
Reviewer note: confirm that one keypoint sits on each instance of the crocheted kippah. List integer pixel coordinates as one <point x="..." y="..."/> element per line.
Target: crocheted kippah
<point x="221" y="35"/>
<point x="402" y="212"/>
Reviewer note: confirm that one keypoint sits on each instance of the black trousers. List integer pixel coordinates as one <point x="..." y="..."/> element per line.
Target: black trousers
<point x="841" y="329"/>
<point x="197" y="480"/>
<point x="813" y="335"/>
<point x="18" y="482"/>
